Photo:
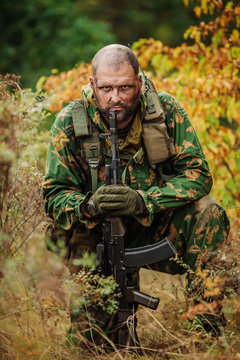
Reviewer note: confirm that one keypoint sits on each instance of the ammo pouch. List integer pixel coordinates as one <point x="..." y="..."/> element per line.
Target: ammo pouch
<point x="87" y="133"/>
<point x="82" y="240"/>
<point x="158" y="144"/>
<point x="90" y="144"/>
<point x="56" y="239"/>
<point x="76" y="242"/>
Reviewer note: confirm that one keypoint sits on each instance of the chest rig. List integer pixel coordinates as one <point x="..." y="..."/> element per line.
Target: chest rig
<point x="92" y="149"/>
<point x="157" y="144"/>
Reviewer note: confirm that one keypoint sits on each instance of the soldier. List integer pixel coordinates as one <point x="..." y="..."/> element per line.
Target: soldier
<point x="165" y="174"/>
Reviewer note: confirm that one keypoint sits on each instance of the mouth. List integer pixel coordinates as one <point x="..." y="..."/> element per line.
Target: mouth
<point x="116" y="108"/>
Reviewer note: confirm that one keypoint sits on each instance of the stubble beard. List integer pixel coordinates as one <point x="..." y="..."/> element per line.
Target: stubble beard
<point x="126" y="112"/>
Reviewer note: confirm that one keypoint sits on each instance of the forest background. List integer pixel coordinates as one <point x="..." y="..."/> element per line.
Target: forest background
<point x="191" y="50"/>
<point x="41" y="35"/>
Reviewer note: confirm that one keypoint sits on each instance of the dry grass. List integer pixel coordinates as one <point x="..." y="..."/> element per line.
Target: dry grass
<point x="35" y="286"/>
<point x="35" y="290"/>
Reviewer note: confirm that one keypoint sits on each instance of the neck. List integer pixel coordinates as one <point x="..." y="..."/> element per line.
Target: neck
<point x="123" y="126"/>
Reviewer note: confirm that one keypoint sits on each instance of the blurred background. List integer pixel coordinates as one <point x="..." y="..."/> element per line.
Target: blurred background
<point x="37" y="36"/>
<point x="44" y="41"/>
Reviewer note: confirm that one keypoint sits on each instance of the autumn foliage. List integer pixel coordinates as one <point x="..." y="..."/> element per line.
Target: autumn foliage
<point x="203" y="75"/>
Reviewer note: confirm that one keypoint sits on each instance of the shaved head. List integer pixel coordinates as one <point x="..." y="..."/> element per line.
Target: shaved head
<point x="116" y="83"/>
<point x="113" y="57"/>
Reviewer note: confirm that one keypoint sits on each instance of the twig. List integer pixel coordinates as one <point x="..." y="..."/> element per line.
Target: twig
<point x="32" y="309"/>
<point x="14" y="83"/>
<point x="96" y="328"/>
<point x="158" y="322"/>
<point x="20" y="224"/>
<point x="24" y="240"/>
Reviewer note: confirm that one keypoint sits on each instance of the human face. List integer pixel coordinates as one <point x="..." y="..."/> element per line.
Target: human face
<point x="117" y="90"/>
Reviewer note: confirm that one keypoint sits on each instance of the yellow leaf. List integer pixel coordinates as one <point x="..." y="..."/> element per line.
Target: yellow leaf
<point x="204" y="6"/>
<point x="54" y="71"/>
<point x="198" y="37"/>
<point x="40" y="82"/>
<point x="197" y="10"/>
<point x="213" y="292"/>
<point x="187" y="33"/>
<point x="229" y="5"/>
<point x="235" y="35"/>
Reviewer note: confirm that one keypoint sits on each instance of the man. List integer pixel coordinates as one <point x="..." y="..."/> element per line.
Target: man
<point x="152" y="203"/>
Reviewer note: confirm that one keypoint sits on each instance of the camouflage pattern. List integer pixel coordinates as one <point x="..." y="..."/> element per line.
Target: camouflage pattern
<point x="180" y="208"/>
<point x="67" y="181"/>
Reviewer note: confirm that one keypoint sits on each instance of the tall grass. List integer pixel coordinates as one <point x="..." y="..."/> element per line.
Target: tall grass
<point x="35" y="285"/>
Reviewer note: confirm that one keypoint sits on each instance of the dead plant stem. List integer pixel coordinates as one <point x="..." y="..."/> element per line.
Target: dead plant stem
<point x="158" y="322"/>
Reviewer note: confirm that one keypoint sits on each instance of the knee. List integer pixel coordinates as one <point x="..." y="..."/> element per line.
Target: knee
<point x="212" y="218"/>
<point x="206" y="203"/>
<point x="209" y="210"/>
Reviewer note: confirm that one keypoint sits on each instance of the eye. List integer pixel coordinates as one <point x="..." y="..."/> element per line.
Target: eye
<point x="127" y="87"/>
<point x="105" y="88"/>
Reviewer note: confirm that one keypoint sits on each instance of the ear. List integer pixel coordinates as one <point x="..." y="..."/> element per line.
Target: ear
<point x="140" y="80"/>
<point x="91" y="81"/>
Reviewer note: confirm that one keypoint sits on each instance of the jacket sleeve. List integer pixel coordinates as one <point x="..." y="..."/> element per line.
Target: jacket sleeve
<point x="193" y="179"/>
<point x="65" y="179"/>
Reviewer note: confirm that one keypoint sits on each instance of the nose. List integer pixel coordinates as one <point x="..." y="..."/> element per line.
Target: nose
<point x="115" y="98"/>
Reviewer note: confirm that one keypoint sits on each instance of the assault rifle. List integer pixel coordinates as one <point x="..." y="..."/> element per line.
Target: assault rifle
<point x="119" y="261"/>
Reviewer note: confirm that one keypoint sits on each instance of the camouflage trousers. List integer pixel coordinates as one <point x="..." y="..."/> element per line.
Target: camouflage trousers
<point x="196" y="230"/>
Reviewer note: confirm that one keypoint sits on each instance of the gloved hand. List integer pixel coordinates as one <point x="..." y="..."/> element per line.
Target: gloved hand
<point x="116" y="200"/>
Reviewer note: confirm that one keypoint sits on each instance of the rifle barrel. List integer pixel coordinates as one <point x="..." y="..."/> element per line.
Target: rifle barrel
<point x="113" y="137"/>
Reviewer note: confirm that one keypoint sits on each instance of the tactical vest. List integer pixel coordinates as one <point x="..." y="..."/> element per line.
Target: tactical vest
<point x="157" y="144"/>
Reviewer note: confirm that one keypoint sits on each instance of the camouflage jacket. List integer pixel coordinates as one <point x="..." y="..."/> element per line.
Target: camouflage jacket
<point x="67" y="179"/>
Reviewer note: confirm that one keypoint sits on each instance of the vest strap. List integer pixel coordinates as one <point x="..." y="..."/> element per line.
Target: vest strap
<point x="103" y="152"/>
<point x="79" y="116"/>
<point x="94" y="164"/>
<point x="136" y="158"/>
